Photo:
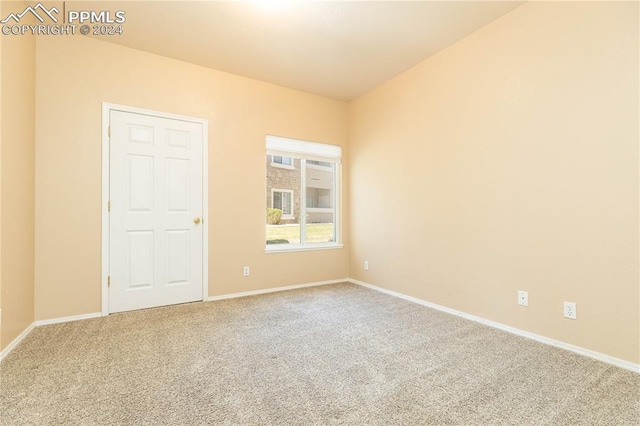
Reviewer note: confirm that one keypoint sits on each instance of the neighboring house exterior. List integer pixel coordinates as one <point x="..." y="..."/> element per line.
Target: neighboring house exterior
<point x="283" y="189"/>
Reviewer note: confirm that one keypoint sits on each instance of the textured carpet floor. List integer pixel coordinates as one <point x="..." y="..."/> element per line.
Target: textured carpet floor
<point x="338" y="354"/>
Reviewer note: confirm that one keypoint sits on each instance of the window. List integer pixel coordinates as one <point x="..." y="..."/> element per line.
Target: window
<point x="280" y="161"/>
<point x="303" y="201"/>
<point x="319" y="163"/>
<point x="283" y="200"/>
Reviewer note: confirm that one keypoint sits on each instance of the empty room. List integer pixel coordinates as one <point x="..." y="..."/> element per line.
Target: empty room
<point x="320" y="212"/>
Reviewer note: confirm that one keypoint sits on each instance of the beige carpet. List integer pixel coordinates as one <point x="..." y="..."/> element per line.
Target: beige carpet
<point x="337" y="354"/>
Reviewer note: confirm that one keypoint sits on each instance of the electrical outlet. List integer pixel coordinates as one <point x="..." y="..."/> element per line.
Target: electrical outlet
<point x="570" y="310"/>
<point x="246" y="271"/>
<point x="523" y="298"/>
<point x="366" y="265"/>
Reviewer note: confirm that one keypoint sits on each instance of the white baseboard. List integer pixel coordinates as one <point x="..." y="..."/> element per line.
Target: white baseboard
<point x="68" y="319"/>
<point x="546" y="340"/>
<point x="17" y="341"/>
<point x="275" y="289"/>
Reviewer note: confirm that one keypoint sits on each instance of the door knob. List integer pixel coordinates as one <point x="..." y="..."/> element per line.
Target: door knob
<point x="196" y="220"/>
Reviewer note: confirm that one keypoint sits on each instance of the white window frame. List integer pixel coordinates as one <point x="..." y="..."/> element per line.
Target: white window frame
<point x="292" y="204"/>
<point x="304" y="150"/>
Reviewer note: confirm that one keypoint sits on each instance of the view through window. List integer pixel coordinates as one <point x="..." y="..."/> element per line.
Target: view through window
<point x="302" y="198"/>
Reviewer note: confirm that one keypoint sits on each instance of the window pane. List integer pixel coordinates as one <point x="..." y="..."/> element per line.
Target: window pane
<point x="287" y="208"/>
<point x="319" y="163"/>
<point x="288" y="161"/>
<point x="277" y="200"/>
<point x="283" y="201"/>
<point x="320" y="199"/>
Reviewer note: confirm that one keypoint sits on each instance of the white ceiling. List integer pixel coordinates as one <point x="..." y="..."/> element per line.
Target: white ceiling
<point x="337" y="49"/>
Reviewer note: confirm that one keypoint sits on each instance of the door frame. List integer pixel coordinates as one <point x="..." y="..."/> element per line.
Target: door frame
<point x="106" y="169"/>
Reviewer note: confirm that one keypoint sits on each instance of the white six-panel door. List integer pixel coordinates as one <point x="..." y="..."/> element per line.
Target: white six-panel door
<point x="156" y="205"/>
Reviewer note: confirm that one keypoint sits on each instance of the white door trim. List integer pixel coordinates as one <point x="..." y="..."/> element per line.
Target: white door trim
<point x="106" y="111"/>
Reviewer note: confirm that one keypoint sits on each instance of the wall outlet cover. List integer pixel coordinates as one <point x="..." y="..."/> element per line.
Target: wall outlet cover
<point x="570" y="310"/>
<point x="523" y="298"/>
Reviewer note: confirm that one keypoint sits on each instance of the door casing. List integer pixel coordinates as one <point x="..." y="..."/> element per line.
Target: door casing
<point x="106" y="172"/>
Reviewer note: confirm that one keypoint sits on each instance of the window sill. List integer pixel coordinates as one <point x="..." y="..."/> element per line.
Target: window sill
<point x="283" y="166"/>
<point x="285" y="248"/>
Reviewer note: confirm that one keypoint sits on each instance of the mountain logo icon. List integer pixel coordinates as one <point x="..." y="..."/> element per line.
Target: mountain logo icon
<point x="38" y="11"/>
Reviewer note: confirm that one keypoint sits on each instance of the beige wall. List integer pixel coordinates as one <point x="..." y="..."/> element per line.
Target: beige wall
<point x="74" y="76"/>
<point x="17" y="136"/>
<point x="510" y="161"/>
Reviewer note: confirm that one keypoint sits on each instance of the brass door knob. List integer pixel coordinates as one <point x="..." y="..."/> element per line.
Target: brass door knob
<point x="196" y="220"/>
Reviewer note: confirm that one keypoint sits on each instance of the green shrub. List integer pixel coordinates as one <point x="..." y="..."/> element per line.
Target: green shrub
<point x="273" y="216"/>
